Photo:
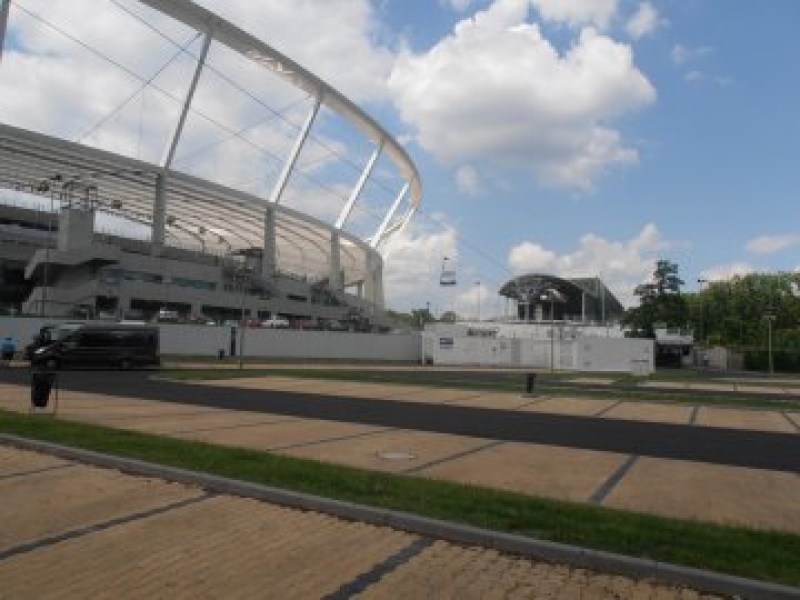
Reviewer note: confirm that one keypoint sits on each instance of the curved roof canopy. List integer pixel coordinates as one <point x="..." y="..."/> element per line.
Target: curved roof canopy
<point x="536" y="288"/>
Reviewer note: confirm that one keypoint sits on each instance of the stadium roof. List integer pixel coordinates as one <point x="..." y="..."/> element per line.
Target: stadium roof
<point x="200" y="214"/>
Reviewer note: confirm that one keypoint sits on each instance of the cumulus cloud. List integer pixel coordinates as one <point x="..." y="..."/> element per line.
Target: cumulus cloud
<point x="577" y="13"/>
<point x="321" y="36"/>
<point x="413" y="262"/>
<point x="497" y="92"/>
<point x="727" y="271"/>
<point x="64" y="86"/>
<point x="644" y="21"/>
<point x="622" y="265"/>
<point x="457" y="5"/>
<point x="468" y="180"/>
<point x="682" y="54"/>
<point x="769" y="244"/>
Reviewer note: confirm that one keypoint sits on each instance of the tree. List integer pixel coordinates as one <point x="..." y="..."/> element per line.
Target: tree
<point x="449" y="316"/>
<point x="733" y="312"/>
<point x="660" y="302"/>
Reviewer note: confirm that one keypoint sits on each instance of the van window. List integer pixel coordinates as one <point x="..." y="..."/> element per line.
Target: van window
<point x="95" y="339"/>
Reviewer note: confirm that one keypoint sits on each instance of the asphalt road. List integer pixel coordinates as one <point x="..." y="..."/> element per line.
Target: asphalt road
<point x="756" y="449"/>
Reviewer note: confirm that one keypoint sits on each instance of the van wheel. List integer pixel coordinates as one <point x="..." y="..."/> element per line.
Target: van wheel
<point x="51" y="364"/>
<point x="125" y="364"/>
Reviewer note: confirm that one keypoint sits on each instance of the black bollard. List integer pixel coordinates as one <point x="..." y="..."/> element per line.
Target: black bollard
<point x="41" y="384"/>
<point x="530" y="382"/>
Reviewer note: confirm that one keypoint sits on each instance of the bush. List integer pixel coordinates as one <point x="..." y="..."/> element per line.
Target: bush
<point x="784" y="361"/>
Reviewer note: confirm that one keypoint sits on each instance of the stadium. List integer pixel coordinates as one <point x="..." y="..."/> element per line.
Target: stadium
<point x="90" y="228"/>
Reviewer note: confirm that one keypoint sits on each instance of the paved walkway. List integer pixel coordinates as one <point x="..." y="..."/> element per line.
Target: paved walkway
<point x="112" y="535"/>
<point x="72" y="531"/>
<point x="675" y="488"/>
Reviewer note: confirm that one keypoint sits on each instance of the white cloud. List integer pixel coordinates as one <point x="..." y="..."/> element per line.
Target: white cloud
<point x="643" y="22"/>
<point x="321" y="36"/>
<point x="622" y="265"/>
<point x="412" y="267"/>
<point x="468" y="180"/>
<point x="682" y="54"/>
<point x="577" y="13"/>
<point x="727" y="271"/>
<point x="769" y="244"/>
<point x="457" y="5"/>
<point x="496" y="91"/>
<point x="62" y="88"/>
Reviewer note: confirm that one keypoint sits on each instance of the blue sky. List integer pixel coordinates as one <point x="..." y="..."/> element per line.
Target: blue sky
<point x="572" y="137"/>
<point x="715" y="176"/>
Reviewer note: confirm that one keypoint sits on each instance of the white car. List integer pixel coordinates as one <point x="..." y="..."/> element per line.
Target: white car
<point x="275" y="323"/>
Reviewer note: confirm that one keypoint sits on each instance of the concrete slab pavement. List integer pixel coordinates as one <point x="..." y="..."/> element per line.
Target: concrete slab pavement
<point x="534" y="469"/>
<point x="736" y="495"/>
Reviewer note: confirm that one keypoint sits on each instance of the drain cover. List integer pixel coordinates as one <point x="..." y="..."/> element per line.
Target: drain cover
<point x="396" y="455"/>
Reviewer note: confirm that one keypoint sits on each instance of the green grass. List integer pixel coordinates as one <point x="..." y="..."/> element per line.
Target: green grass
<point x="549" y="384"/>
<point x="770" y="556"/>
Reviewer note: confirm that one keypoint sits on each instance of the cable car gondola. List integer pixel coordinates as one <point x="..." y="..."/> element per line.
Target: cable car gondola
<point x="448" y="276"/>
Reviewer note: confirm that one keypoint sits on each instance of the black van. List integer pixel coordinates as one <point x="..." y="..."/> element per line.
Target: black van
<point x="102" y="345"/>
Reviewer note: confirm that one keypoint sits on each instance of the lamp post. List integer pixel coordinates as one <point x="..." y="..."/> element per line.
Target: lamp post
<point x="703" y="310"/>
<point x="770" y="317"/>
<point x="478" y="283"/>
<point x="49" y="185"/>
<point x="242" y="322"/>
<point x="551" y="296"/>
<point x="46" y="270"/>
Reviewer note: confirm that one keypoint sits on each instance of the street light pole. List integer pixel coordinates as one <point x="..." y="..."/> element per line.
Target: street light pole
<point x="703" y="310"/>
<point x="552" y="331"/>
<point x="242" y="322"/>
<point x="478" y="283"/>
<point x="770" y="318"/>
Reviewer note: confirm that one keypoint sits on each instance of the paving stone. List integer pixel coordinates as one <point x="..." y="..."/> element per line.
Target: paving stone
<point x="393" y="451"/>
<point x="650" y="412"/>
<point x="714" y="493"/>
<point x="758" y="420"/>
<point x="571" y="406"/>
<point x="534" y="469"/>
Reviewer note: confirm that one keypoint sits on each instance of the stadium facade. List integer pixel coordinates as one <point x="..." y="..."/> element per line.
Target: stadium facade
<point x="202" y="249"/>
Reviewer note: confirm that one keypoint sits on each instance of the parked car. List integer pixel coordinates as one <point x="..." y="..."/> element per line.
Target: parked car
<point x="201" y="320"/>
<point x="275" y="323"/>
<point x="103" y="345"/>
<point x="167" y="316"/>
<point x="334" y="325"/>
<point x="306" y="324"/>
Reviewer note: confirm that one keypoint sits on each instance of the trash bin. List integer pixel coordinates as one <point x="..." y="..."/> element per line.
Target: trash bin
<point x="220" y="354"/>
<point x="41" y="384"/>
<point x="530" y="382"/>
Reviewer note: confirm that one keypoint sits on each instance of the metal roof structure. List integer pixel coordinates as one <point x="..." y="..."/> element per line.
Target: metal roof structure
<point x="191" y="212"/>
<point x="573" y="292"/>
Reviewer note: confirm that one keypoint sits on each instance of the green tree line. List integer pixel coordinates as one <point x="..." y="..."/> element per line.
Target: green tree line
<point x="741" y="313"/>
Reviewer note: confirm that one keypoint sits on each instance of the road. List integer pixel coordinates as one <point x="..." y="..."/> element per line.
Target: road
<point x="755" y="449"/>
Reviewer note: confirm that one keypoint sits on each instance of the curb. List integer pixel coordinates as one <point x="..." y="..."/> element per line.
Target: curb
<point x="596" y="560"/>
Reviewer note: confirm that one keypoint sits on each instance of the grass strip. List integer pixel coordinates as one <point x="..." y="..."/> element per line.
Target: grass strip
<point x="764" y="555"/>
<point x="552" y="386"/>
